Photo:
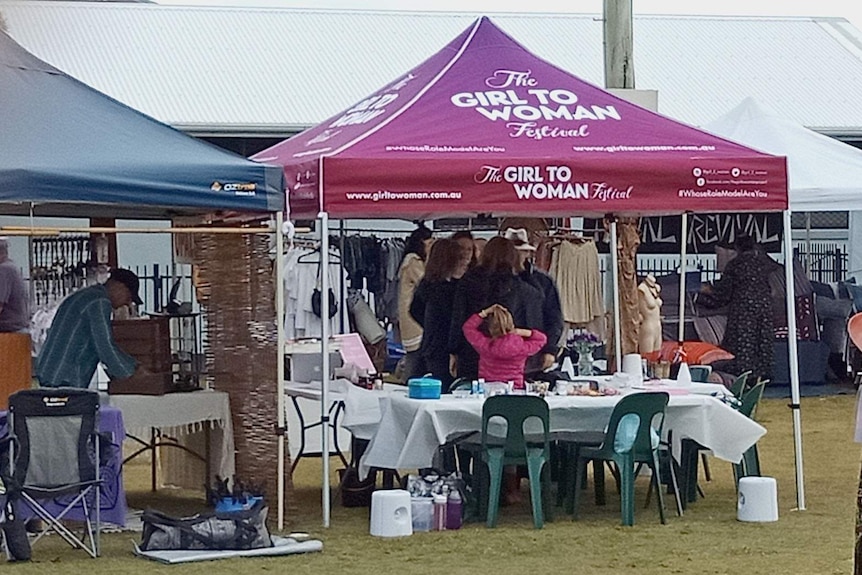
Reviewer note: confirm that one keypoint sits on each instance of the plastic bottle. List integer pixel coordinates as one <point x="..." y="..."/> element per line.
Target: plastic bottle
<point x="440" y="501"/>
<point x="481" y="385"/>
<point x="453" y="510"/>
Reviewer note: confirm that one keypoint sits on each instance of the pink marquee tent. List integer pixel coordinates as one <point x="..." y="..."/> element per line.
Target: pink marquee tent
<point x="484" y="126"/>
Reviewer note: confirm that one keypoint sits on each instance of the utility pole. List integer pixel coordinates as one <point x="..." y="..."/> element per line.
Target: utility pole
<point x="619" y="54"/>
<point x="620" y="73"/>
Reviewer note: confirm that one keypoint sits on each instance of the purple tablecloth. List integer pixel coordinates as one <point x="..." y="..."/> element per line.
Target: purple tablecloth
<point x="113" y="496"/>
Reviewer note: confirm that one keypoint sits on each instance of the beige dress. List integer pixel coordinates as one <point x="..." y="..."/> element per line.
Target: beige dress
<point x="575" y="268"/>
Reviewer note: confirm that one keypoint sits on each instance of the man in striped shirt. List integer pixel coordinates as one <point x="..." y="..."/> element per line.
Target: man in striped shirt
<point x="80" y="336"/>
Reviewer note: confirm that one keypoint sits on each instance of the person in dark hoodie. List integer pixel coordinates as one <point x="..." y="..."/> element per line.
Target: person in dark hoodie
<point x="552" y="313"/>
<point x="432" y="306"/>
<point x="494" y="281"/>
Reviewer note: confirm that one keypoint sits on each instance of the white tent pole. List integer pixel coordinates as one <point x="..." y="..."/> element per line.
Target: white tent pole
<point x="324" y="365"/>
<point x="615" y="276"/>
<point x="682" y="251"/>
<point x="279" y="320"/>
<point x="793" y="357"/>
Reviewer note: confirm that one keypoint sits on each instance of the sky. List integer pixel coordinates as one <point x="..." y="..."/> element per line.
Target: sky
<point x="849" y="9"/>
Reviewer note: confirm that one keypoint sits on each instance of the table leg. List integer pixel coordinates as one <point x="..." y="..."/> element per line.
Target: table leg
<point x="302" y="428"/>
<point x="153" y="462"/>
<point x="208" y="454"/>
<point x="338" y="408"/>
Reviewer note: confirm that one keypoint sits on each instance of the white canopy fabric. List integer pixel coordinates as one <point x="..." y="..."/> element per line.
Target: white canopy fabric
<point x="824" y="174"/>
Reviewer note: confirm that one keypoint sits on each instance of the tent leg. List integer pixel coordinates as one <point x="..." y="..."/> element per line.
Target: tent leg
<point x="324" y="363"/>
<point x="793" y="356"/>
<point x="279" y="319"/>
<point x="615" y="276"/>
<point x="682" y="267"/>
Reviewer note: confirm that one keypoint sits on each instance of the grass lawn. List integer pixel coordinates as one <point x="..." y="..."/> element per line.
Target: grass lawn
<point x="708" y="539"/>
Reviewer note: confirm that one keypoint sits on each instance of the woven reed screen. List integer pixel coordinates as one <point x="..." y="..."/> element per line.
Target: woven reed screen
<point x="235" y="282"/>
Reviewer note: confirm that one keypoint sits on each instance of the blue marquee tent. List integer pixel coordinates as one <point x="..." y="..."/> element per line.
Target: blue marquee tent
<point x="68" y="150"/>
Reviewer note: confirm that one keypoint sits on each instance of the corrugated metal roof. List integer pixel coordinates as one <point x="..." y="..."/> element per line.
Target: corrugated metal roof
<point x="214" y="70"/>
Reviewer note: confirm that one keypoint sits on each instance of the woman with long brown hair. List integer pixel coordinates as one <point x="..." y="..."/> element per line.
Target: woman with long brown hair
<point x="432" y="307"/>
<point x="409" y="275"/>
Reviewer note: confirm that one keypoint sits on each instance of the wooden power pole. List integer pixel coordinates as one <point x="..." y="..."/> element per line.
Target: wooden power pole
<point x="619" y="51"/>
<point x="620" y="73"/>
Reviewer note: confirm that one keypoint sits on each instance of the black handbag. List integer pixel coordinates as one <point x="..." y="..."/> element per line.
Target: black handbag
<point x="241" y="529"/>
<point x="316" y="298"/>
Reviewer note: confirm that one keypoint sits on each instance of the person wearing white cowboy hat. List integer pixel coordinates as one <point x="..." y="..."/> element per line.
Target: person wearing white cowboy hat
<point x="521" y="239"/>
<point x="552" y="314"/>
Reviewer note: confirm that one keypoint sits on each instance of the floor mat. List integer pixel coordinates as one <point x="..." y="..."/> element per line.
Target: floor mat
<point x="281" y="546"/>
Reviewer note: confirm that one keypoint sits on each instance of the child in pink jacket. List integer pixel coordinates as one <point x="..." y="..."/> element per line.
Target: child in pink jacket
<point x="504" y="351"/>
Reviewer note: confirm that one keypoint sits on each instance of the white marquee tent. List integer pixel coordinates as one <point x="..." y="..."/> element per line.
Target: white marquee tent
<point x="823" y="174"/>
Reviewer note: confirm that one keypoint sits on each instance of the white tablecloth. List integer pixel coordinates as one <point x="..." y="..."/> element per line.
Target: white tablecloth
<point x="410" y="430"/>
<point x="181" y="413"/>
<point x="362" y="407"/>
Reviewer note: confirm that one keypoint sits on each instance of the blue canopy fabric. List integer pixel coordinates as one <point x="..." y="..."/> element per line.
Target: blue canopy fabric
<point x="66" y="149"/>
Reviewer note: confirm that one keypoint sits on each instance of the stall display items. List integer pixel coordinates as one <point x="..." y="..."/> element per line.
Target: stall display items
<point x="148" y="341"/>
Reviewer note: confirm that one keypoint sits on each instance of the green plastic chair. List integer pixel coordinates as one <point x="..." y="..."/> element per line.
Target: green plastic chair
<point x="516" y="449"/>
<point x="750" y="464"/>
<point x="751" y="459"/>
<point x="630" y="439"/>
<point x="700" y="373"/>
<point x="738" y="387"/>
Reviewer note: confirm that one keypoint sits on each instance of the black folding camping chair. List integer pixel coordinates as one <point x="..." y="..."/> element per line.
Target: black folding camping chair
<point x="53" y="453"/>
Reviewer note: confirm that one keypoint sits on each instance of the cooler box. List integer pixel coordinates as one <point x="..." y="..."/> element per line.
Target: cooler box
<point x="423" y="388"/>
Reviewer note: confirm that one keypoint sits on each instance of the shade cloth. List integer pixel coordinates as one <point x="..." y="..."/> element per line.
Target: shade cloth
<point x="280" y="546"/>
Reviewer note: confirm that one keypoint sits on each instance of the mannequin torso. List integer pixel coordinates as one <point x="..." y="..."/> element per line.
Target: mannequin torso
<point x="649" y="306"/>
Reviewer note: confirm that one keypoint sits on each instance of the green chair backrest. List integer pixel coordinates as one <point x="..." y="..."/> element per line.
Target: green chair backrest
<point x="738" y="387"/>
<point x="644" y="407"/>
<point x="750" y="400"/>
<point x="700" y="373"/>
<point x="515" y="409"/>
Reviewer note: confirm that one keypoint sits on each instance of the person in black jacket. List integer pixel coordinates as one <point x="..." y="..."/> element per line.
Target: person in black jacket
<point x="493" y="281"/>
<point x="432" y="307"/>
<point x="552" y="312"/>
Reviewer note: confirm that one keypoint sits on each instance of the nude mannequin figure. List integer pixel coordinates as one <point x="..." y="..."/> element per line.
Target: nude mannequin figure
<point x="649" y="306"/>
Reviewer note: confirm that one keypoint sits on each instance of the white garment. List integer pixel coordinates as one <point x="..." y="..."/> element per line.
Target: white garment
<point x="300" y="280"/>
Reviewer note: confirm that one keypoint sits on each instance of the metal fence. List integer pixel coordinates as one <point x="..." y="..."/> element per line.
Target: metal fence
<point x="823" y="261"/>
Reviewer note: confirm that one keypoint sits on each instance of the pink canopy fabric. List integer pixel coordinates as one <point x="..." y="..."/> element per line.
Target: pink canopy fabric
<point x="486" y="127"/>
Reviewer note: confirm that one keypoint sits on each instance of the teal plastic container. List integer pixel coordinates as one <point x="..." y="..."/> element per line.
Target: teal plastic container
<point x="423" y="388"/>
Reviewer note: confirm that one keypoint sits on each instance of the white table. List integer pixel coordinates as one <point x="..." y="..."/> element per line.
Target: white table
<point x="156" y="417"/>
<point x="410" y="430"/>
<point x="350" y="407"/>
